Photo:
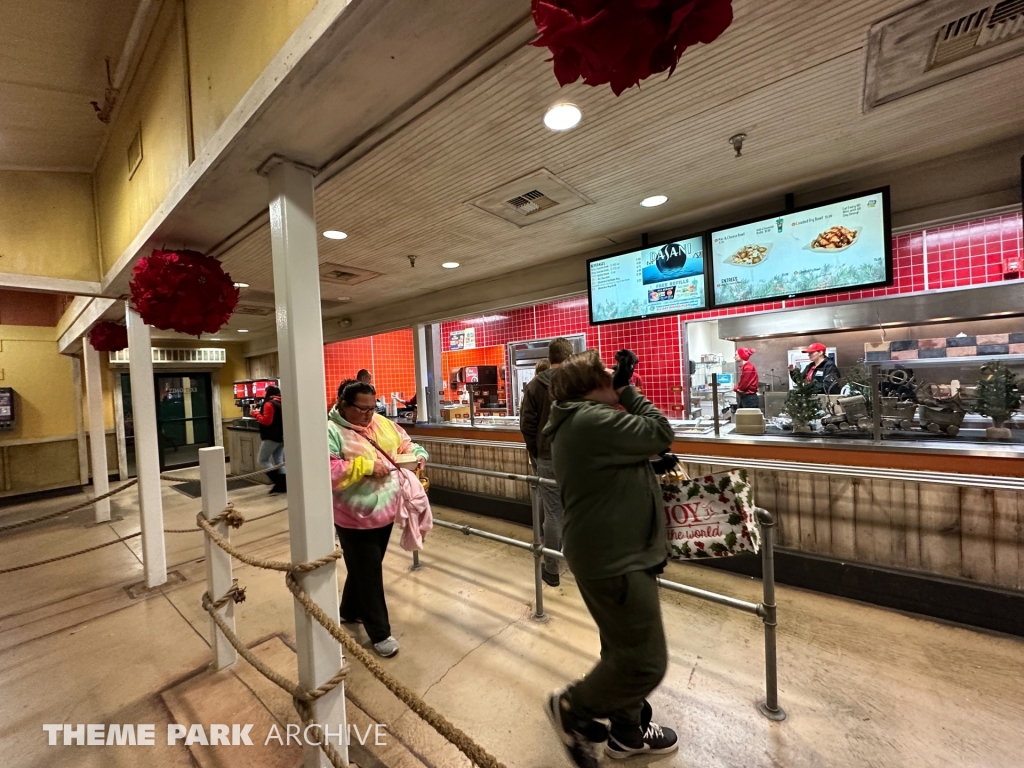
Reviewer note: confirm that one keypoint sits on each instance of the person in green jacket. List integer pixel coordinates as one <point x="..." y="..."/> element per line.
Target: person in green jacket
<point x="615" y="545"/>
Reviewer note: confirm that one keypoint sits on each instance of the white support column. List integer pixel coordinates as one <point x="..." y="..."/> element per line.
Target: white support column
<point x="214" y="482"/>
<point x="293" y="237"/>
<point x="419" y="342"/>
<point x="83" y="445"/>
<point x="97" y="431"/>
<point x="147" y="451"/>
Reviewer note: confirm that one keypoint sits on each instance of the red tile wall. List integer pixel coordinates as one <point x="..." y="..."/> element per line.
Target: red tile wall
<point x="958" y="255"/>
<point x="388" y="356"/>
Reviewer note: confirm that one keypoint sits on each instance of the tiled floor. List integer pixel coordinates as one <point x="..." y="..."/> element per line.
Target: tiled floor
<point x="862" y="686"/>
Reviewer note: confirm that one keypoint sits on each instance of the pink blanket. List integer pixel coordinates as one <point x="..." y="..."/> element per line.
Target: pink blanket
<point x="414" y="516"/>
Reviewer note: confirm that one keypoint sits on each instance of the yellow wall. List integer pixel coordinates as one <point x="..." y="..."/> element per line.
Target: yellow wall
<point x="157" y="98"/>
<point x="41" y="378"/>
<point x="230" y="43"/>
<point x="47" y="226"/>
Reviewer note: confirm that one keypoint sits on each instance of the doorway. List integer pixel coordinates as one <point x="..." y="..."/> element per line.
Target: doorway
<point x="184" y="418"/>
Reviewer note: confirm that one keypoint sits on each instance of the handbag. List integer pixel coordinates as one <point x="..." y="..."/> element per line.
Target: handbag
<point x="710" y="516"/>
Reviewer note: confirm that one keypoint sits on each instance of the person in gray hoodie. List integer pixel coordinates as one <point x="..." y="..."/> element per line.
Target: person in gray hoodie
<point x="533" y="417"/>
<point x="615" y="544"/>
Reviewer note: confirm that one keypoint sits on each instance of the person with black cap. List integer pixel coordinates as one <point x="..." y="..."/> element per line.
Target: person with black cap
<point x="746" y="387"/>
<point x="822" y="371"/>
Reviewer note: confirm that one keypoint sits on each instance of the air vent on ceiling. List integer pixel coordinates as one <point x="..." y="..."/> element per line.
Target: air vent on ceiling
<point x="249" y="309"/>
<point x="530" y="199"/>
<point x="973" y="33"/>
<point x="938" y="40"/>
<point x="195" y="355"/>
<point x="339" y="274"/>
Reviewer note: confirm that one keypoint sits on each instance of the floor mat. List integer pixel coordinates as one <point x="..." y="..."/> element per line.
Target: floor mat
<point x="193" y="488"/>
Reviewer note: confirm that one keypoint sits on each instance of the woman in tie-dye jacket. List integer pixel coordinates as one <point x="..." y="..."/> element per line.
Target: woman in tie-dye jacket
<point x="367" y="497"/>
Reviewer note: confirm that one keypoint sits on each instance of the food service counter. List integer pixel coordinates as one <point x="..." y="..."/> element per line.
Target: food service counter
<point x="858" y="502"/>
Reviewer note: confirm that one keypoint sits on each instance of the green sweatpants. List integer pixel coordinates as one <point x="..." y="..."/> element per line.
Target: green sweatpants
<point x="634" y="656"/>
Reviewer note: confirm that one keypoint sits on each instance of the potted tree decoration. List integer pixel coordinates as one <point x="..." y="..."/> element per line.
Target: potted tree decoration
<point x="998" y="397"/>
<point x="802" y="406"/>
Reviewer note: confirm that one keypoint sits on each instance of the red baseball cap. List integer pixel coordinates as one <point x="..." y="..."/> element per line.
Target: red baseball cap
<point x="815" y="347"/>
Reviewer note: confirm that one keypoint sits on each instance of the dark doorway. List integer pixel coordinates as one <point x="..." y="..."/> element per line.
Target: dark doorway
<point x="184" y="417"/>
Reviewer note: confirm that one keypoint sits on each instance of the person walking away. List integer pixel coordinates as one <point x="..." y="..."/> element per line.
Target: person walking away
<point x="821" y="371"/>
<point x="272" y="439"/>
<point x="615" y="544"/>
<point x="746" y="388"/>
<point x="533" y="418"/>
<point x="367" y="497"/>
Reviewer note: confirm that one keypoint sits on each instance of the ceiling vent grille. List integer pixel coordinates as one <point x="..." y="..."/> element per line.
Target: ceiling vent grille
<point x="974" y="32"/>
<point x="194" y="356"/>
<point x="530" y="199"/>
<point x="935" y="41"/>
<point x="531" y="202"/>
<point x="340" y="274"/>
<point x="249" y="309"/>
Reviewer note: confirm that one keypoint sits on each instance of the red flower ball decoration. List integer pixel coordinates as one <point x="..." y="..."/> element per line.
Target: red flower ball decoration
<point x="108" y="337"/>
<point x="622" y="42"/>
<point x="183" y="291"/>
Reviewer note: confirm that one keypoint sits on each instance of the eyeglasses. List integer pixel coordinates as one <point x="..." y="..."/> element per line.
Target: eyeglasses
<point x="364" y="408"/>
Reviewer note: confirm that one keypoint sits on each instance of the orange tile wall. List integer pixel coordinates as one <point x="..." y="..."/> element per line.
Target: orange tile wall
<point x="480" y="356"/>
<point x="388" y="356"/>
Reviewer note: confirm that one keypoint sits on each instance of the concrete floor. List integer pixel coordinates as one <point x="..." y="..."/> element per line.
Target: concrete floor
<point x="862" y="686"/>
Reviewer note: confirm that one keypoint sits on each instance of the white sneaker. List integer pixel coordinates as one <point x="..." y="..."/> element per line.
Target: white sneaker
<point x="387" y="647"/>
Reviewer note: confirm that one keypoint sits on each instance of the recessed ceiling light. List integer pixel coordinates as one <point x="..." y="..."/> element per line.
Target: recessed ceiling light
<point x="450" y="265"/>
<point x="344" y="298"/>
<point x="243" y="330"/>
<point x="215" y="339"/>
<point x="333" y="234"/>
<point x="653" y="201"/>
<point x="241" y="285"/>
<point x="562" y="117"/>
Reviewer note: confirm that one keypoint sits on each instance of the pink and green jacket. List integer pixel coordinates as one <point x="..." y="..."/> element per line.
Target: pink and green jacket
<point x="360" y="499"/>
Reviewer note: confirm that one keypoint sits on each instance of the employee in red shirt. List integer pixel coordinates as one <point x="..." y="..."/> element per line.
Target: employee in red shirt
<point x="746" y="389"/>
<point x="272" y="435"/>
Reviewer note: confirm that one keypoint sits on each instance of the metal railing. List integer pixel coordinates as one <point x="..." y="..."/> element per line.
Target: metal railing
<point x="766" y="609"/>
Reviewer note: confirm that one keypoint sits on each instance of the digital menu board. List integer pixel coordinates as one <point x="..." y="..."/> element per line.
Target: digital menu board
<point x="658" y="280"/>
<point x="835" y="246"/>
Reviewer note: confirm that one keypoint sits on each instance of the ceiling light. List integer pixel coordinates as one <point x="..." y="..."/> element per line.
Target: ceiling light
<point x="562" y="117"/>
<point x="653" y="201"/>
<point x="344" y="298"/>
<point x="215" y="339"/>
<point x="333" y="234"/>
<point x="243" y="330"/>
<point x="241" y="285"/>
<point x="450" y="265"/>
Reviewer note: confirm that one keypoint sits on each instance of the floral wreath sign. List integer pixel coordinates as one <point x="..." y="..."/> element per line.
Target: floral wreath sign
<point x="710" y="516"/>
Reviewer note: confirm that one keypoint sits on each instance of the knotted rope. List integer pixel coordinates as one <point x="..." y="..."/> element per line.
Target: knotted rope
<point x="69" y="510"/>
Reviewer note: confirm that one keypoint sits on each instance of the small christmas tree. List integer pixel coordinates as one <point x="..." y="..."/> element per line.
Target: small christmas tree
<point x="998" y="396"/>
<point x="802" y="405"/>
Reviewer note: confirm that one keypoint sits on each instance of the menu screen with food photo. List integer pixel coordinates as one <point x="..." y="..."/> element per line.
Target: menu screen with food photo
<point x="658" y="280"/>
<point x="832" y="247"/>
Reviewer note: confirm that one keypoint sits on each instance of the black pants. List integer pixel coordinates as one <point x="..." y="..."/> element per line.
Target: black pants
<point x="363" y="596"/>
<point x="634" y="655"/>
<point x="748" y="400"/>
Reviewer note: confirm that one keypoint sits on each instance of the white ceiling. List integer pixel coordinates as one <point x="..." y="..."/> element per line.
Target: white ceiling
<point x="774" y="75"/>
<point x="51" y="66"/>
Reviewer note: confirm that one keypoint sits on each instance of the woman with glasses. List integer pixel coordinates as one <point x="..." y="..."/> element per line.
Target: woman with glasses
<point x="367" y="496"/>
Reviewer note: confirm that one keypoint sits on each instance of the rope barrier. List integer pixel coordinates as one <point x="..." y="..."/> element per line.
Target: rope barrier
<point x="174" y="478"/>
<point x="70" y="554"/>
<point x="69" y="510"/>
<point x="258" y="562"/>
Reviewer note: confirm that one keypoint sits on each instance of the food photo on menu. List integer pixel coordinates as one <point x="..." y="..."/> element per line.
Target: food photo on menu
<point x="829" y="247"/>
<point x="658" y="280"/>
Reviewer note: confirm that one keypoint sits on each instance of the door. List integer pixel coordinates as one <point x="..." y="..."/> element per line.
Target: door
<point x="184" y="417"/>
<point x="129" y="426"/>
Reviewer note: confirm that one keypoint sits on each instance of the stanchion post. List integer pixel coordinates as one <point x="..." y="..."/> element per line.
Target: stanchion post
<point x="538" y="545"/>
<point x="770" y="706"/>
<point x="214" y="483"/>
<point x="714" y="402"/>
<point x="97" y="433"/>
<point x="415" y="560"/>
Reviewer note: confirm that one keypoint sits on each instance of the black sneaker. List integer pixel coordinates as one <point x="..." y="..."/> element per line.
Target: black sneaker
<point x="648" y="739"/>
<point x="580" y="740"/>
<point x="551" y="579"/>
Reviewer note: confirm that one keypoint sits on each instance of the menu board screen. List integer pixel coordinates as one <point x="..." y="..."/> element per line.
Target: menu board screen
<point x="836" y="246"/>
<point x="659" y="280"/>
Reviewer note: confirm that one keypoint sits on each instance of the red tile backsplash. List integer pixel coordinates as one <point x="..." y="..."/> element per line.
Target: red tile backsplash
<point x="958" y="255"/>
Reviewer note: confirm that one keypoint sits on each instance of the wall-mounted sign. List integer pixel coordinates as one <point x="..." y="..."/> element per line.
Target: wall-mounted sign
<point x="464" y="339"/>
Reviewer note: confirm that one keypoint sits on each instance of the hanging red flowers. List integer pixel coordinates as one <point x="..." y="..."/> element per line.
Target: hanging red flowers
<point x="106" y="336"/>
<point x="622" y="42"/>
<point x="183" y="291"/>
